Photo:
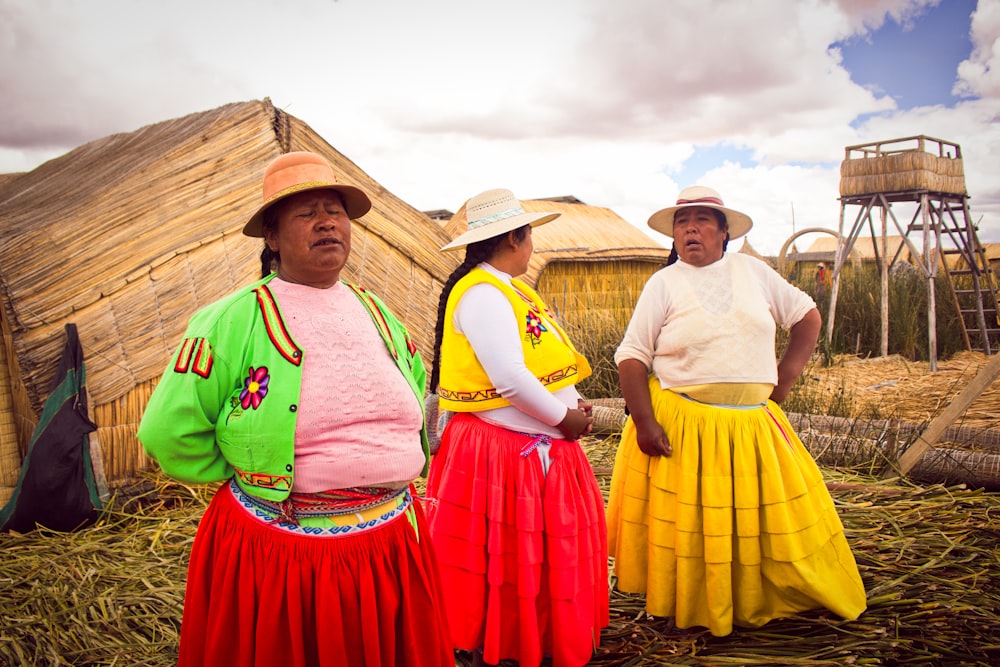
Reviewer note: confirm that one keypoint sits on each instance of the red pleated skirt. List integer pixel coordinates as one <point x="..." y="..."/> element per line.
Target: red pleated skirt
<point x="523" y="554"/>
<point x="259" y="594"/>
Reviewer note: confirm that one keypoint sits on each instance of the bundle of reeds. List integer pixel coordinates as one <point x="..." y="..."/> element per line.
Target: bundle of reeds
<point x="902" y="172"/>
<point x="894" y="387"/>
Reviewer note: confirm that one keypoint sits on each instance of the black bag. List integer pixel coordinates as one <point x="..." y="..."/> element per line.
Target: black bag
<point x="56" y="487"/>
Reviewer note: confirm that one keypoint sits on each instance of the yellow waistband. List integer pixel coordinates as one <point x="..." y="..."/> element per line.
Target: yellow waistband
<point x="727" y="393"/>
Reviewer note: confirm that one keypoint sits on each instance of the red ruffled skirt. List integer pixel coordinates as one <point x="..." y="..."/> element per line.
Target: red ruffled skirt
<point x="264" y="593"/>
<point x="523" y="554"/>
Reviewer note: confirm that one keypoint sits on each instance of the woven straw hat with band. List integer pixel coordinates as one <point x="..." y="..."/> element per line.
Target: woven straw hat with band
<point x="698" y="195"/>
<point x="297" y="172"/>
<point x="493" y="213"/>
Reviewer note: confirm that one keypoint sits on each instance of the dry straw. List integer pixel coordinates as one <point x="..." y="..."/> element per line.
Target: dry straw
<point x="929" y="558"/>
<point x="906" y="390"/>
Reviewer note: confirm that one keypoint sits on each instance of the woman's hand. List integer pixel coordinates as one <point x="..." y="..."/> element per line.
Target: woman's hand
<point x="651" y="439"/>
<point x="802" y="339"/>
<point x="577" y="423"/>
<point x="649" y="435"/>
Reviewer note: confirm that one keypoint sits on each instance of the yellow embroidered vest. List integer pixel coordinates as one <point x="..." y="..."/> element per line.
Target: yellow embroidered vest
<point x="465" y="387"/>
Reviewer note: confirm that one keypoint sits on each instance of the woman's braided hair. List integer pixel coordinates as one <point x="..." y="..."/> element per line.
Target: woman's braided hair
<point x="723" y="223"/>
<point x="475" y="254"/>
<point x="269" y="260"/>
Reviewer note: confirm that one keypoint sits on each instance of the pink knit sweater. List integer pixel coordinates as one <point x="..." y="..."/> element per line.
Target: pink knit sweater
<point x="358" y="422"/>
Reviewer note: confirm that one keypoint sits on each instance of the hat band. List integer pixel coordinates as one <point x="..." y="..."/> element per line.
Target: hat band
<point x="308" y="185"/>
<point x="502" y="215"/>
<point x="701" y="200"/>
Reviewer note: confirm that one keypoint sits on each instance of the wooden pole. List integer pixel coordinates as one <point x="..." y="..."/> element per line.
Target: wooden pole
<point x="949" y="415"/>
<point x="838" y="264"/>
<point x="884" y="271"/>
<point x="931" y="275"/>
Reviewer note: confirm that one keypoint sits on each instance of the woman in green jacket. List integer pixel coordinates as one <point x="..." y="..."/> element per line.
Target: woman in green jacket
<point x="303" y="394"/>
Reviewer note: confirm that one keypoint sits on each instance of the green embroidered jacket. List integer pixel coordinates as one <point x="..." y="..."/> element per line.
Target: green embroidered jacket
<point x="227" y="402"/>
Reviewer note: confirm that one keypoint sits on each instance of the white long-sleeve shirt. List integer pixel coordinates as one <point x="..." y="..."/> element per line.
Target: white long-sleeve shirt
<point x="702" y="325"/>
<point x="485" y="317"/>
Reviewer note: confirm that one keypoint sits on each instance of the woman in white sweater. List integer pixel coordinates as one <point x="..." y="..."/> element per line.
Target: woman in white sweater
<point x="717" y="512"/>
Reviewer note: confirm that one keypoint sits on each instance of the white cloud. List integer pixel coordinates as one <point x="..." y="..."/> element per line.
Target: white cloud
<point x="980" y="75"/>
<point x="440" y="99"/>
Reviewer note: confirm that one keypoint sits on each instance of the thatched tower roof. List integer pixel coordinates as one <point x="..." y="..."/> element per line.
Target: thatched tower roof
<point x="128" y="235"/>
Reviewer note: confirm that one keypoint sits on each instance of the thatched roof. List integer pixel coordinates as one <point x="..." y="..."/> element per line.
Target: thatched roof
<point x="128" y="235"/>
<point x="7" y="178"/>
<point x="582" y="233"/>
<point x="992" y="251"/>
<point x="747" y="249"/>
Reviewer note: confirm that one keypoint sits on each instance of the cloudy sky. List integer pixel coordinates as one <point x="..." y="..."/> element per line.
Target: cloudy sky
<point x="619" y="102"/>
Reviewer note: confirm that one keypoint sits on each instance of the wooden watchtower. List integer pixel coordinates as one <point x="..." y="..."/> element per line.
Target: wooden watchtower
<point x="923" y="175"/>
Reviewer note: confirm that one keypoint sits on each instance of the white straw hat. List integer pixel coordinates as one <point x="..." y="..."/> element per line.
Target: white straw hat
<point x="698" y="195"/>
<point x="493" y="213"/>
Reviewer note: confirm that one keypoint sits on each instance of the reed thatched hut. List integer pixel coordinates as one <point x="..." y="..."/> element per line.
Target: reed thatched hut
<point x="747" y="249"/>
<point x="128" y="235"/>
<point x="866" y="248"/>
<point x="992" y="251"/>
<point x="588" y="263"/>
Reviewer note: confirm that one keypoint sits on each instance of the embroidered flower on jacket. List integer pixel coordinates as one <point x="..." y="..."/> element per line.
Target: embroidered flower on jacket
<point x="254" y="387"/>
<point x="534" y="325"/>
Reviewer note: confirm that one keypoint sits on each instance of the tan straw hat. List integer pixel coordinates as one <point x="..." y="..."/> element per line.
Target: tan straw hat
<point x="299" y="171"/>
<point x="698" y="195"/>
<point x="493" y="213"/>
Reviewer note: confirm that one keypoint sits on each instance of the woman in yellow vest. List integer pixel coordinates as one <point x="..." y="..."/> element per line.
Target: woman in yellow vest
<point x="516" y="516"/>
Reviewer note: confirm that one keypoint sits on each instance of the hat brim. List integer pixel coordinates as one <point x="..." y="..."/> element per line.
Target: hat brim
<point x="499" y="227"/>
<point x="663" y="220"/>
<point x="356" y="204"/>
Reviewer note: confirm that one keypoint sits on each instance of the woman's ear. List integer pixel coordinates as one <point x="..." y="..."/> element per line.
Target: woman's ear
<point x="270" y="239"/>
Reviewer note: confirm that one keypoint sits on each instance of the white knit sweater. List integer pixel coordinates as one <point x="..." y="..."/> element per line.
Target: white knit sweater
<point x="702" y="325"/>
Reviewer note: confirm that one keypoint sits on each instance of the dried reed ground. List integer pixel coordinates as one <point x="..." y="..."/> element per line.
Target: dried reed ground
<point x="894" y="387"/>
<point x="112" y="594"/>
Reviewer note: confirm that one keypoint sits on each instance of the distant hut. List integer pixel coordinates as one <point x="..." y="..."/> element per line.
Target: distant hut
<point x="992" y="251"/>
<point x="747" y="249"/>
<point x="589" y="264"/>
<point x="128" y="235"/>
<point x="865" y="250"/>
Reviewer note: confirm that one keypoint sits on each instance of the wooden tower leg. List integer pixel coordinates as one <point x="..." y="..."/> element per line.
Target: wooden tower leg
<point x="931" y="262"/>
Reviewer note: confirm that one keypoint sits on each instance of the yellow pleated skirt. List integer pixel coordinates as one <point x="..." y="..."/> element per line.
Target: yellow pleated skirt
<point x="736" y="528"/>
